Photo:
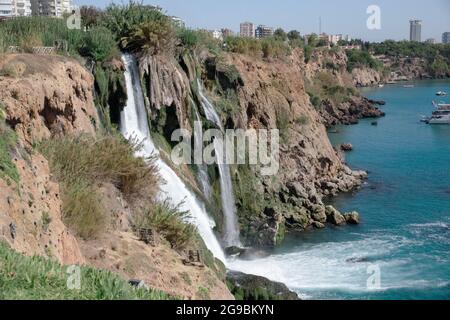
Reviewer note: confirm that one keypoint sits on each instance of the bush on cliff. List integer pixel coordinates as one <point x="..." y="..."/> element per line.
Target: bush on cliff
<point x="8" y="140"/>
<point x="35" y="278"/>
<point x="84" y="162"/>
<point x="267" y="48"/>
<point x="358" y="58"/>
<point x="99" y="44"/>
<point x="168" y="221"/>
<point x="151" y="37"/>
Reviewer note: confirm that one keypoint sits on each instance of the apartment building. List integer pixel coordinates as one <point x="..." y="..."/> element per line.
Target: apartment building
<point x="15" y="8"/>
<point x="247" y="30"/>
<point x="263" y="32"/>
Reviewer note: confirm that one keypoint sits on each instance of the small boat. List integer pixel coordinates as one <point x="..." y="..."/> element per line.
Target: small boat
<point x="381" y="86"/>
<point x="441" y="93"/>
<point x="409" y="86"/>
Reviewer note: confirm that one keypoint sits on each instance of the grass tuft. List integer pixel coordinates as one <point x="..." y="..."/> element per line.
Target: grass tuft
<point x="170" y="222"/>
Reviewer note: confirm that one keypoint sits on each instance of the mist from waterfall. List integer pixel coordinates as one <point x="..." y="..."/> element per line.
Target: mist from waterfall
<point x="231" y="230"/>
<point x="134" y="124"/>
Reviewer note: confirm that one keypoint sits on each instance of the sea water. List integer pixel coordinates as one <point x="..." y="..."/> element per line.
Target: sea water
<point x="401" y="250"/>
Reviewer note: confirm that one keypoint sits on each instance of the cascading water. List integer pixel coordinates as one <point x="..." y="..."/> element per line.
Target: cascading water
<point x="202" y="168"/>
<point x="231" y="237"/>
<point x="134" y="124"/>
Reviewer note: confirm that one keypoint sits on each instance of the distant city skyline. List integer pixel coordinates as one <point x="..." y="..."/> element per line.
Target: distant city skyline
<point x="337" y="17"/>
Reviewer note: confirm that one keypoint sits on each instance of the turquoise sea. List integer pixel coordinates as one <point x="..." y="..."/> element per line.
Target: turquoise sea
<point x="404" y="238"/>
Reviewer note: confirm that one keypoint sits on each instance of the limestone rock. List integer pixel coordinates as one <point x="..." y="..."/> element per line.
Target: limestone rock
<point x="352" y="217"/>
<point x="334" y="216"/>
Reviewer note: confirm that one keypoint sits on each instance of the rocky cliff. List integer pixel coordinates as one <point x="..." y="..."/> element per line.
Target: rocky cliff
<point x="50" y="96"/>
<point x="259" y="94"/>
<point x="273" y="94"/>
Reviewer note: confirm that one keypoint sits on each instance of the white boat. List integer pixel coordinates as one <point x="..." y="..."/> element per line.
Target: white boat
<point x="409" y="86"/>
<point x="441" y="115"/>
<point x="441" y="93"/>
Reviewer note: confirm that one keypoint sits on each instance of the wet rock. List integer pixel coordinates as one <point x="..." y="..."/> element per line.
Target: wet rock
<point x="235" y="251"/>
<point x="318" y="225"/>
<point x="253" y="288"/>
<point x="357" y="260"/>
<point x="347" y="147"/>
<point x="318" y="214"/>
<point x="352" y="217"/>
<point x="334" y="216"/>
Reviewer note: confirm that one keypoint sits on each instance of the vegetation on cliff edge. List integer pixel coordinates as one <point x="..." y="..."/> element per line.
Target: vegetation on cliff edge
<point x="36" y="278"/>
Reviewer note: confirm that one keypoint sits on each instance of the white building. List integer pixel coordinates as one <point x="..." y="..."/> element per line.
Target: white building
<point x="15" y="8"/>
<point x="6" y="8"/>
<point x="21" y="8"/>
<point x="217" y="34"/>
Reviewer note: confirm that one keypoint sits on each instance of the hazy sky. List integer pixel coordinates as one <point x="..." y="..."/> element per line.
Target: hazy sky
<point x="338" y="16"/>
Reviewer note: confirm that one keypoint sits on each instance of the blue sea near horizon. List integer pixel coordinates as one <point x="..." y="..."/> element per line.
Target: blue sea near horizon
<point x="404" y="207"/>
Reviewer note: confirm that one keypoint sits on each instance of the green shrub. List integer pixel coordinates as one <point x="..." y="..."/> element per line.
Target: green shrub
<point x="189" y="38"/>
<point x="122" y="19"/>
<point x="99" y="44"/>
<point x="82" y="163"/>
<point x="8" y="140"/>
<point x="27" y="32"/>
<point x="274" y="48"/>
<point x="168" y="221"/>
<point x="315" y="100"/>
<point x="439" y="67"/>
<point x="243" y="45"/>
<point x="308" y="53"/>
<point x="360" y="58"/>
<point x="193" y="39"/>
<point x="83" y="210"/>
<point x="151" y="37"/>
<point x="35" y="278"/>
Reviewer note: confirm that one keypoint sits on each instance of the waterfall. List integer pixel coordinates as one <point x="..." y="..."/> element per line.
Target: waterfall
<point x="202" y="168"/>
<point x="231" y="236"/>
<point x="134" y="123"/>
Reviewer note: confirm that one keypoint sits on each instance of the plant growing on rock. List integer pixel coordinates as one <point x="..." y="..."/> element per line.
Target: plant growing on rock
<point x="168" y="221"/>
<point x="84" y="162"/>
<point x="152" y="37"/>
<point x="8" y="140"/>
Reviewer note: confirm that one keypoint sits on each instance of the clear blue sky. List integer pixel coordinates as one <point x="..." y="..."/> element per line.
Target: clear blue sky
<point x="338" y="16"/>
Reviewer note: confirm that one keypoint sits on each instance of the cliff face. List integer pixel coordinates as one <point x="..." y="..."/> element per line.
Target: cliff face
<point x="48" y="96"/>
<point x="273" y="95"/>
<point x="51" y="96"/>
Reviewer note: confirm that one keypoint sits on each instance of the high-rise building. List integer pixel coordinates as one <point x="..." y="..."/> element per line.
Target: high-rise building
<point x="263" y="32"/>
<point x="15" y="8"/>
<point x="415" y="32"/>
<point x="247" y="30"/>
<point x="52" y="8"/>
<point x="446" y="37"/>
